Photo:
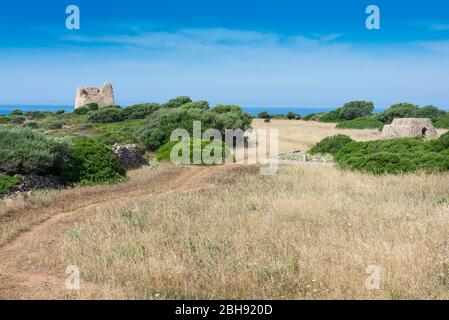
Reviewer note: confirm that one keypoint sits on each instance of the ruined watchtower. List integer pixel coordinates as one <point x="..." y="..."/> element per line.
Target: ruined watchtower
<point x="102" y="96"/>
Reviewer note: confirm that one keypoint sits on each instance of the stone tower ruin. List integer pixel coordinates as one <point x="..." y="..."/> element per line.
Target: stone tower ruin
<point x="102" y="96"/>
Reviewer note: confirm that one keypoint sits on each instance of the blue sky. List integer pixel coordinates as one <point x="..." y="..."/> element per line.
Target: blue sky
<point x="253" y="53"/>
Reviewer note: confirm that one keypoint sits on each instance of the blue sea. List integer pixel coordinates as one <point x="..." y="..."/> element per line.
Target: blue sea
<point x="6" y="109"/>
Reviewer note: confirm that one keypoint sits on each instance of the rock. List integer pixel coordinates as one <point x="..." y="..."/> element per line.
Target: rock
<point x="101" y="96"/>
<point x="409" y="127"/>
<point x="130" y="156"/>
<point x="33" y="182"/>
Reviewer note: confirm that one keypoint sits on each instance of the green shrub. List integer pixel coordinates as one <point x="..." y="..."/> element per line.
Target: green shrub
<point x="18" y="120"/>
<point x="350" y="111"/>
<point x="202" y="104"/>
<point x="140" y="111"/>
<point x="308" y="117"/>
<point x="293" y="116"/>
<point x="35" y="115"/>
<point x="107" y="115"/>
<point x="55" y="125"/>
<point x="225" y="108"/>
<point x="7" y="184"/>
<point x="31" y="124"/>
<point x="395" y="155"/>
<point x="442" y="122"/>
<point x="368" y="122"/>
<point x="4" y="120"/>
<point x="263" y="115"/>
<point x="267" y="120"/>
<point x="16" y="112"/>
<point x="430" y="112"/>
<point x="159" y="127"/>
<point x="61" y="111"/>
<point x="330" y="145"/>
<point x="92" y="163"/>
<point x="81" y="110"/>
<point x="331" y="116"/>
<point x="25" y="151"/>
<point x="163" y="153"/>
<point x="177" y="102"/>
<point x="400" y="110"/>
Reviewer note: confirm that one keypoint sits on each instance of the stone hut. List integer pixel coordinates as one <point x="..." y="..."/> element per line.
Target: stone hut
<point x="409" y="127"/>
<point x="102" y="96"/>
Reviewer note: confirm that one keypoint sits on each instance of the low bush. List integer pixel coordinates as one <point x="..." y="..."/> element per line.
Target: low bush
<point x="395" y="155"/>
<point x="55" y="125"/>
<point x="35" y="115"/>
<point x="25" y="151"/>
<point x="263" y="115"/>
<point x="350" y="111"/>
<point x="18" y="120"/>
<point x="86" y="109"/>
<point x="159" y="127"/>
<point x="202" y="104"/>
<point x="7" y="184"/>
<point x="442" y="122"/>
<point x="140" y="111"/>
<point x="177" y="102"/>
<point x="92" y="163"/>
<point x="5" y="120"/>
<point x="16" y="112"/>
<point x="208" y="149"/>
<point x="61" y="111"/>
<point x="31" y="124"/>
<point x="369" y="122"/>
<point x="293" y="116"/>
<point x="330" y="145"/>
<point x="107" y="115"/>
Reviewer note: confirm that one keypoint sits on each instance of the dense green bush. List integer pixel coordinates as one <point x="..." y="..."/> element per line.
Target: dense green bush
<point x="31" y="124"/>
<point x="430" y="112"/>
<point x="311" y="116"/>
<point x="92" y="163"/>
<point x="26" y="151"/>
<point x="35" y="115"/>
<point x="395" y="155"/>
<point x="4" y="120"/>
<point x="400" y="110"/>
<point x="86" y="108"/>
<point x="16" y="112"/>
<point x="263" y="115"/>
<point x="61" y="111"/>
<point x="18" y="120"/>
<point x="293" y="116"/>
<point x="107" y="115"/>
<point x="330" y="145"/>
<point x="202" y="104"/>
<point x="55" y="125"/>
<point x="177" y="102"/>
<point x="159" y="127"/>
<point x="368" y="122"/>
<point x="351" y="110"/>
<point x="7" y="184"/>
<point x="267" y="120"/>
<point x="442" y="122"/>
<point x="140" y="111"/>
<point x="225" y="108"/>
<point x="163" y="153"/>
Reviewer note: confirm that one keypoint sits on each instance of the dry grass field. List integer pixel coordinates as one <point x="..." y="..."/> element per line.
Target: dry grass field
<point x="308" y="232"/>
<point x="298" y="134"/>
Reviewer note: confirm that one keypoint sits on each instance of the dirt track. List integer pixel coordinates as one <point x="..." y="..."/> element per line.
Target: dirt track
<point x="21" y="280"/>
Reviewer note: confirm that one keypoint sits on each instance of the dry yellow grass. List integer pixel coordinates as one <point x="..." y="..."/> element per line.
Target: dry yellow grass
<point x="306" y="233"/>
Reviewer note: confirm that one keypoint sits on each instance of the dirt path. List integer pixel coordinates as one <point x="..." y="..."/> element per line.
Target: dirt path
<point x="17" y="281"/>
